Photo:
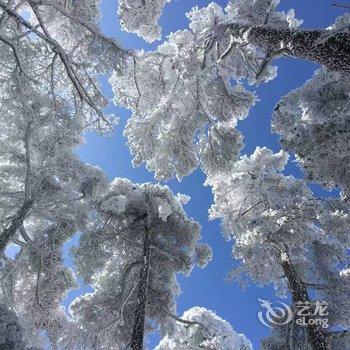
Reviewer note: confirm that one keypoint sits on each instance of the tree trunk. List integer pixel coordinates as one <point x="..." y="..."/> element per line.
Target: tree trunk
<point x="16" y="223"/>
<point x="320" y="46"/>
<point x="297" y="287"/>
<point x="142" y="293"/>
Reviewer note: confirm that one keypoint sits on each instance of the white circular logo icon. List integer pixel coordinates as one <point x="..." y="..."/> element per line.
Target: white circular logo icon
<point x="274" y="316"/>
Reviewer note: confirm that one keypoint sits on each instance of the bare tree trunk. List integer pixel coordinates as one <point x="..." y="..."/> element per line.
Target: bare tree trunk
<point x="327" y="48"/>
<point x="142" y="293"/>
<point x="298" y="289"/>
<point x="16" y="223"/>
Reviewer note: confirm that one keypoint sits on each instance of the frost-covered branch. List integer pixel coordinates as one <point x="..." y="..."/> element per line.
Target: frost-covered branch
<point x="141" y="17"/>
<point x="75" y="53"/>
<point x="200" y="328"/>
<point x="15" y="224"/>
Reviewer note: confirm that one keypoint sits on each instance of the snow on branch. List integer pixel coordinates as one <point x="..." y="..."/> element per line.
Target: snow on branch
<point x="141" y="17"/>
<point x="200" y="328"/>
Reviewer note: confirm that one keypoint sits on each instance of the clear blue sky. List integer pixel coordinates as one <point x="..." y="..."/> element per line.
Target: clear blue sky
<point x="208" y="287"/>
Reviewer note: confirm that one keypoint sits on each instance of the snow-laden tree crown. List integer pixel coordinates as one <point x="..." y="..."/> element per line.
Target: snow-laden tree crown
<point x="200" y="328"/>
<point x="257" y="23"/>
<point x="46" y="195"/>
<point x="186" y="97"/>
<point x="138" y="240"/>
<point x="283" y="234"/>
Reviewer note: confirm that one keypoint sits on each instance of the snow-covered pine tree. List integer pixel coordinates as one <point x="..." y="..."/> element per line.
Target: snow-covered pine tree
<point x="285" y="236"/>
<point x="46" y="195"/>
<point x="139" y="239"/>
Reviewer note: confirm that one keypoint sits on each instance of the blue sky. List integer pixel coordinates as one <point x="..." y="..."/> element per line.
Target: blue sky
<point x="208" y="287"/>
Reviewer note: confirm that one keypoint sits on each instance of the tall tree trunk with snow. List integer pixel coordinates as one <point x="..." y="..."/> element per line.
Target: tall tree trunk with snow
<point x="327" y="48"/>
<point x="142" y="292"/>
<point x="298" y="290"/>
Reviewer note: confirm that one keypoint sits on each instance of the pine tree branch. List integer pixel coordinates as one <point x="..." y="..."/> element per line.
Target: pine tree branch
<point x="341" y="5"/>
<point x="16" y="56"/>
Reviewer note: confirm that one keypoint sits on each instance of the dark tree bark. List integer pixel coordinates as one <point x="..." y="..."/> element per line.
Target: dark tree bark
<point x="316" y="337"/>
<point x="327" y="48"/>
<point x="142" y="294"/>
<point x="15" y="224"/>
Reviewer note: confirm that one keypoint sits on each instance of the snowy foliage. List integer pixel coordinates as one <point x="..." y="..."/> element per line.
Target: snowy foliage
<point x="57" y="48"/>
<point x="40" y="175"/>
<point x="36" y="282"/>
<point x="141" y="17"/>
<point x="189" y="88"/>
<point x="183" y="93"/>
<point x="280" y="338"/>
<point x="275" y="220"/>
<point x="174" y="107"/>
<point x="184" y="102"/>
<point x="257" y="12"/>
<point x="134" y="225"/>
<point x="314" y="122"/>
<point x="46" y="194"/>
<point x="256" y="202"/>
<point x="205" y="330"/>
<point x="345" y="272"/>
